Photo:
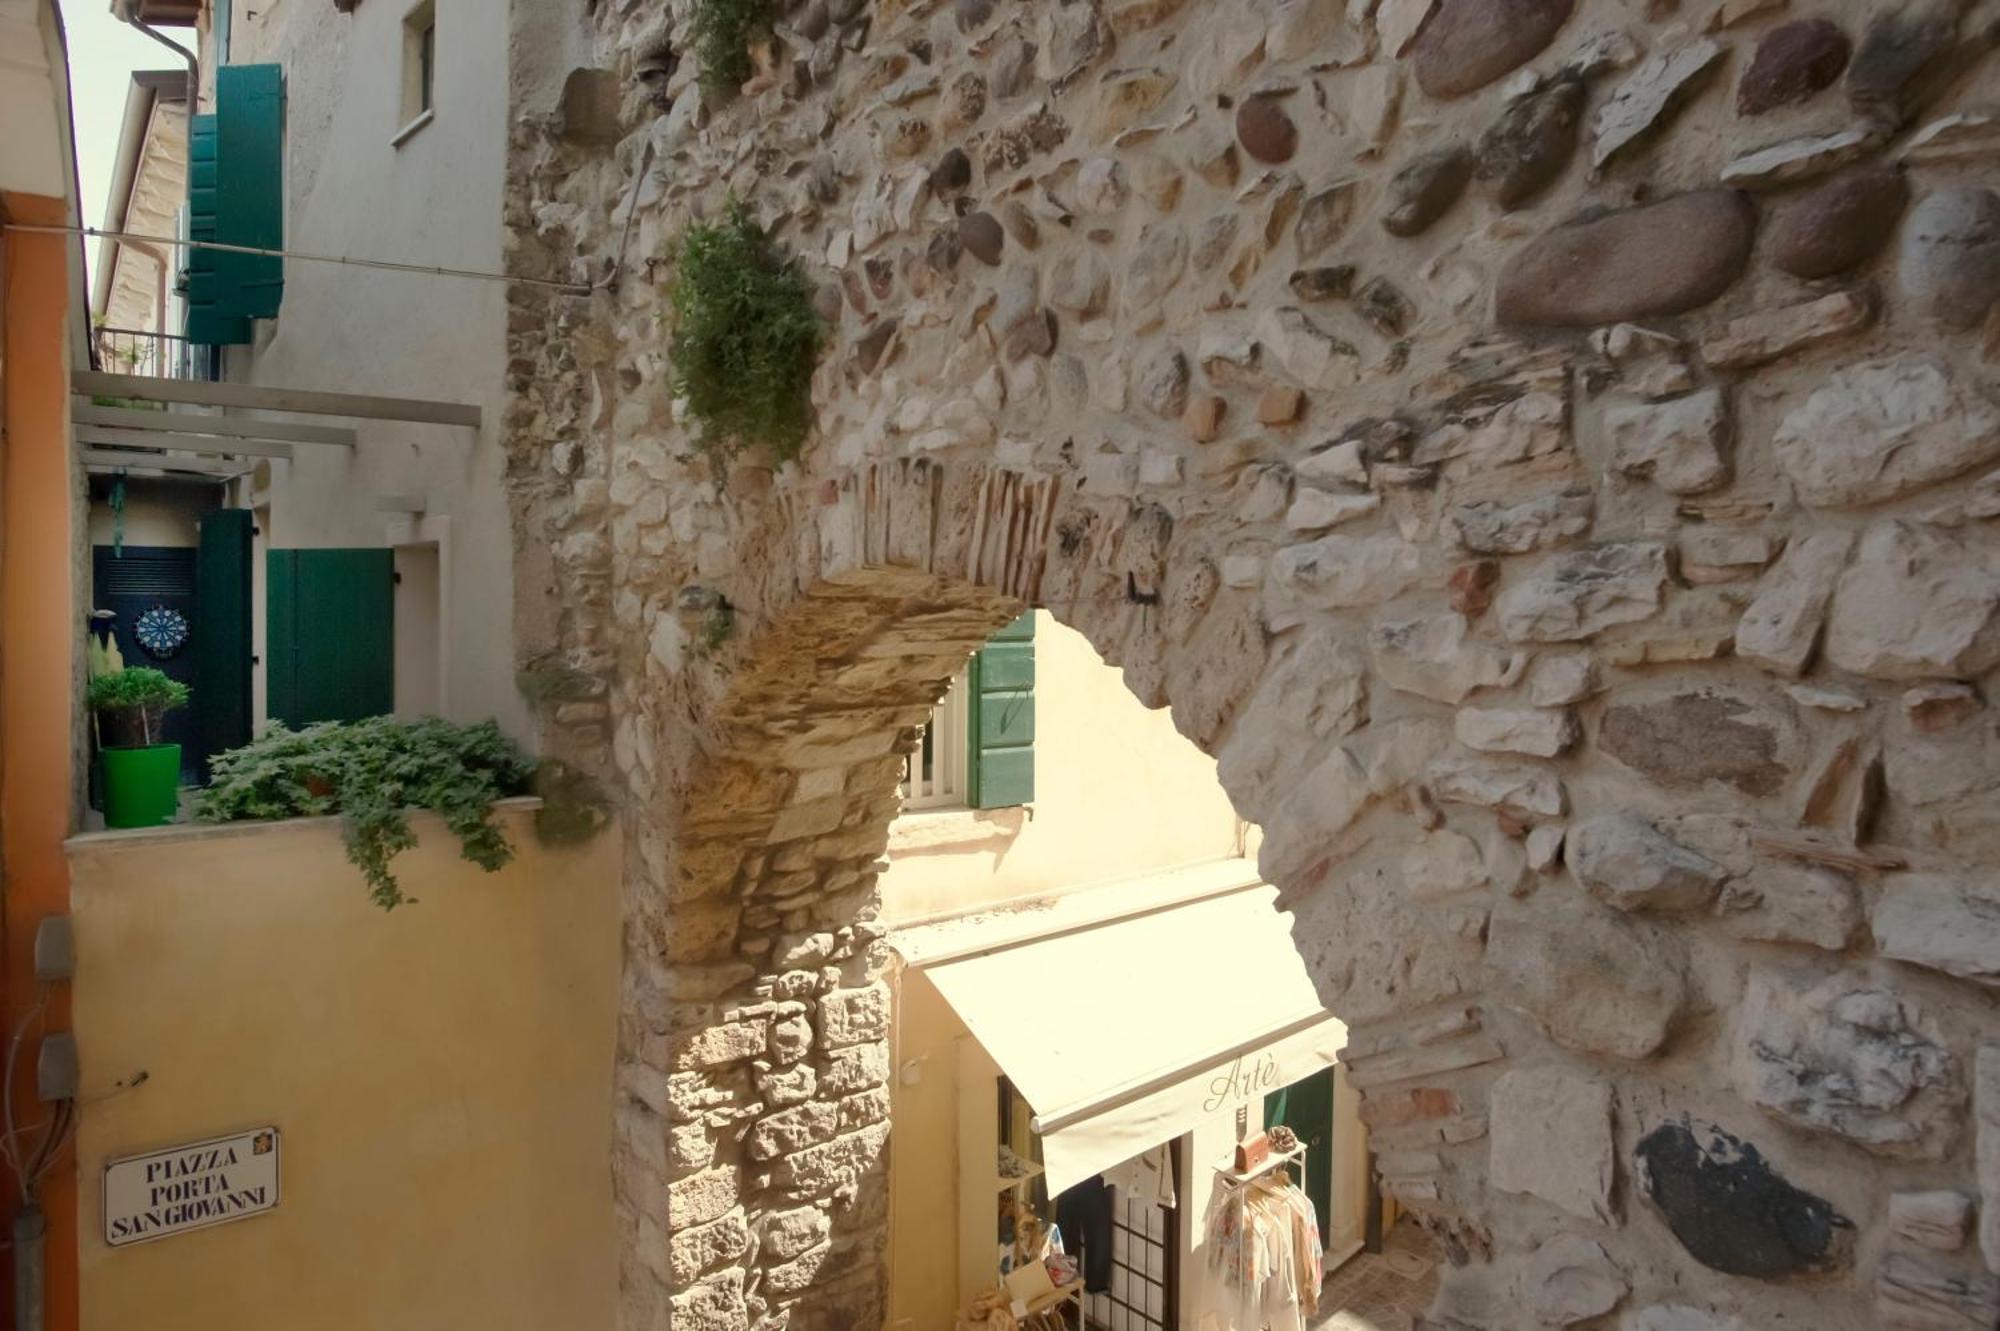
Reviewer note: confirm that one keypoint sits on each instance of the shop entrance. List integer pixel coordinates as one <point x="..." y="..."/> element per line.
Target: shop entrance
<point x="1145" y="1262"/>
<point x="1119" y="1231"/>
<point x="1306" y="1107"/>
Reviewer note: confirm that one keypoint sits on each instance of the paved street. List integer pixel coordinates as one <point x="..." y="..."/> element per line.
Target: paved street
<point x="1381" y="1291"/>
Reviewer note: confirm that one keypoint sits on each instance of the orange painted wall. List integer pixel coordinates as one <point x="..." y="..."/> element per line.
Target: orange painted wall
<point x="39" y="633"/>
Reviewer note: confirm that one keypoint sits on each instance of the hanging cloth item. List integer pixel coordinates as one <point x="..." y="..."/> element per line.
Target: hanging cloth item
<point x="1084" y="1214"/>
<point x="117" y="506"/>
<point x="1146" y="1177"/>
<point x="1263" y="1242"/>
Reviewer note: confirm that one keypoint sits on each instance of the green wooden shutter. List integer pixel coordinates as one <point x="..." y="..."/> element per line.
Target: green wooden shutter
<point x="330" y="635"/>
<point x="250" y="186"/>
<point x="207" y="318"/>
<point x="1000" y="765"/>
<point x="222" y="635"/>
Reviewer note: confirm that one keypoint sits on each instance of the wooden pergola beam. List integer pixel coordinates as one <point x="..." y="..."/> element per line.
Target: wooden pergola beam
<point x="188" y="422"/>
<point x="157" y="440"/>
<point x="103" y="462"/>
<point x="250" y="397"/>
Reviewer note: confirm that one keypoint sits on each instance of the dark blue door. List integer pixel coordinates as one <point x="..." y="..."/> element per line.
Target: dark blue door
<point x="142" y="578"/>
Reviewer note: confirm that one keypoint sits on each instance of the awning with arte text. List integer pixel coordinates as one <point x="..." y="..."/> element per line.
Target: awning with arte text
<point x="1121" y="1035"/>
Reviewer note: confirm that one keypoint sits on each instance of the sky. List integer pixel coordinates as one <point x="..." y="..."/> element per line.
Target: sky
<point x="102" y="55"/>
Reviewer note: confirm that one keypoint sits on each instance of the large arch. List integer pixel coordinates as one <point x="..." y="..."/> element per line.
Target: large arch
<point x="753" y="951"/>
<point x="1537" y="447"/>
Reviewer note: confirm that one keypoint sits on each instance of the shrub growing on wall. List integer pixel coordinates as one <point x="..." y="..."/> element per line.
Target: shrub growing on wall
<point x="745" y="338"/>
<point x="373" y="773"/>
<point x="723" y="31"/>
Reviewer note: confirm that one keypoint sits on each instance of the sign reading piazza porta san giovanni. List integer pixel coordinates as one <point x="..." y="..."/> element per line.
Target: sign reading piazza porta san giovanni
<point x="180" y="1188"/>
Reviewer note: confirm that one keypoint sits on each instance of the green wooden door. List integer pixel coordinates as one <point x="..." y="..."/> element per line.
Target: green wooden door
<point x="330" y="630"/>
<point x="222" y="639"/>
<point x="1306" y="1107"/>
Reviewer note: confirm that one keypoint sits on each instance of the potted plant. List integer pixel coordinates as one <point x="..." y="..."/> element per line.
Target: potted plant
<point x="142" y="777"/>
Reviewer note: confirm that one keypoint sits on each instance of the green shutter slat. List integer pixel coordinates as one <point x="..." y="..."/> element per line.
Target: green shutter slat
<point x="206" y="318"/>
<point x="222" y="648"/>
<point x="330" y="644"/>
<point x="1001" y="762"/>
<point x="250" y="195"/>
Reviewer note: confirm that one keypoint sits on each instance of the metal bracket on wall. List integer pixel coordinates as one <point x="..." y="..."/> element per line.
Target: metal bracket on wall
<point x="55" y="948"/>
<point x="55" y="1068"/>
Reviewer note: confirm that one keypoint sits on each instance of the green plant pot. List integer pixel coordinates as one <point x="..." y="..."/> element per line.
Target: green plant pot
<point x="142" y="785"/>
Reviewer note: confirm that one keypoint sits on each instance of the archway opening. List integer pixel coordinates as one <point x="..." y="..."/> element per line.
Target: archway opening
<point x="1094" y="998"/>
<point x="755" y="1063"/>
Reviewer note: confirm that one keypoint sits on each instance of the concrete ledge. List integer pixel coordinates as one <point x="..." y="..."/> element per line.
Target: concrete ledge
<point x="925" y="830"/>
<point x="423" y="821"/>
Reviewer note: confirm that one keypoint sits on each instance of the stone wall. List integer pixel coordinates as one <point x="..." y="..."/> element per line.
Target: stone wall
<point x="1545" y="451"/>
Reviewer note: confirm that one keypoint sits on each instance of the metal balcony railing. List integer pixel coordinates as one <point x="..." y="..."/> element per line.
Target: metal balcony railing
<point x="153" y="355"/>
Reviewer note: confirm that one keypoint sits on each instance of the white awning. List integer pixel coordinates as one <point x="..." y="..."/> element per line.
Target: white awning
<point x="1122" y="1035"/>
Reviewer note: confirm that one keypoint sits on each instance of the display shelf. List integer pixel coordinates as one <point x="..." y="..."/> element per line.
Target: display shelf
<point x="1004" y="1183"/>
<point x="1238" y="1177"/>
<point x="1056" y="1296"/>
<point x="1041" y="1313"/>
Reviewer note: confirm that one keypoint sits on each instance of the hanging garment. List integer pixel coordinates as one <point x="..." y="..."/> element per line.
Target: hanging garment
<point x="1147" y="1177"/>
<point x="1084" y="1215"/>
<point x="1263" y="1241"/>
<point x="1308" y="1259"/>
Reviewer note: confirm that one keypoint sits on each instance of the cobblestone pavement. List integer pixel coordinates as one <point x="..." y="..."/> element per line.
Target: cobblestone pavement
<point x="1381" y="1291"/>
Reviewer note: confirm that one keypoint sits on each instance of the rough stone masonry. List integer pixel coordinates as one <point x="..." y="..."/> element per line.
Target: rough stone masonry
<point x="1547" y="450"/>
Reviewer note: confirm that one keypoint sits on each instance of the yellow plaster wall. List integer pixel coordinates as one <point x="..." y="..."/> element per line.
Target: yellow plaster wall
<point x="441" y="1075"/>
<point x="157" y="513"/>
<point x="1118" y="793"/>
<point x="929" y="1168"/>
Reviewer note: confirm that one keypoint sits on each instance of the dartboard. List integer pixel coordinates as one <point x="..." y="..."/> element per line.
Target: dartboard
<point x="161" y="631"/>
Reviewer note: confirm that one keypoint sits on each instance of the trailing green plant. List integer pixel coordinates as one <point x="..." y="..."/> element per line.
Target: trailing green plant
<point x="137" y="697"/>
<point x="723" y="31"/>
<point x="373" y="773"/>
<point x="745" y="338"/>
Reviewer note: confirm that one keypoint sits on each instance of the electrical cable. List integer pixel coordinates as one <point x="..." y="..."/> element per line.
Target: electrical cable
<point x="62" y="1128"/>
<point x="55" y="1131"/>
<point x="631" y="208"/>
<point x="432" y="270"/>
<point x="10" y="1146"/>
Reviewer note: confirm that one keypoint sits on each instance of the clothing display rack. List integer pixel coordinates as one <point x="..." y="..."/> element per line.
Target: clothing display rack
<point x="1280" y="1288"/>
<point x="1229" y="1176"/>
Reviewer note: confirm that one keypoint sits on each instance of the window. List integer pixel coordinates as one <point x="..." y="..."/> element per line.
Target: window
<point x="978" y="749"/>
<point x="426" y="54"/>
<point x="934" y="776"/>
<point x="419" y="68"/>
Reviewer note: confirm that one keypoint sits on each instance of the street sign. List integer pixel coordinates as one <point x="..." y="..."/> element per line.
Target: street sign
<point x="172" y="1191"/>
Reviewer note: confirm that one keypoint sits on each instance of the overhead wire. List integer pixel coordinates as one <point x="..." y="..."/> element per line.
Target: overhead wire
<point x="386" y="265"/>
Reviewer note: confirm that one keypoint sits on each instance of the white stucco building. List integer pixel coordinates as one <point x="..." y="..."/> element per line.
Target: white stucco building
<point x="387" y="133"/>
